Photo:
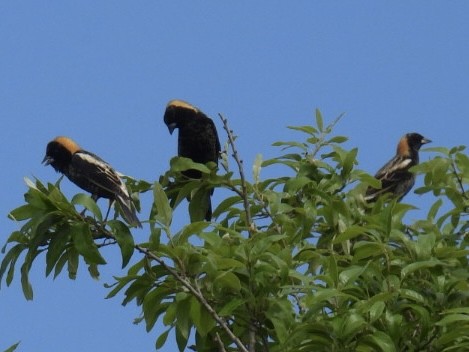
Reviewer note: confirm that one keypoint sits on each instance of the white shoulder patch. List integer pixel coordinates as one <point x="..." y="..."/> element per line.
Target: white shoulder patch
<point x="401" y="165"/>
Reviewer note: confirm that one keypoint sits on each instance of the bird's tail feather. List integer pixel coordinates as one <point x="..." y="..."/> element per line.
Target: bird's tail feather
<point x="208" y="214"/>
<point x="128" y="210"/>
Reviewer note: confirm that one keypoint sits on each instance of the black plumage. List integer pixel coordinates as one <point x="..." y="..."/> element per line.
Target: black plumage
<point x="91" y="173"/>
<point x="197" y="140"/>
<point x="395" y="176"/>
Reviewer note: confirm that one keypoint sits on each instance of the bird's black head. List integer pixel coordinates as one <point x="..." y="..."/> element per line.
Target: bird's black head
<point x="416" y="140"/>
<point x="177" y="111"/>
<point x="59" y="153"/>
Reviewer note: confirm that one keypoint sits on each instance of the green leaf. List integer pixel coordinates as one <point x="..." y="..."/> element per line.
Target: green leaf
<point x="329" y="294"/>
<point x="408" y="269"/>
<point x="338" y="139"/>
<point x="162" y="339"/>
<point x="164" y="213"/>
<point x="381" y="342"/>
<point x="367" y="250"/>
<point x="453" y="318"/>
<point x="203" y="321"/>
<point x="225" y="205"/>
<point x="306" y="129"/>
<point x="349" y="162"/>
<point x="153" y="305"/>
<point x="93" y="270"/>
<point x="227" y="280"/>
<point x="198" y="205"/>
<point x="256" y="168"/>
<point x="12" y="348"/>
<point x="285" y="145"/>
<point x="350" y="275"/>
<point x="179" y="164"/>
<point x="22" y="213"/>
<point x="458" y="310"/>
<point x="88" y="202"/>
<point x="434" y="209"/>
<point x="83" y="243"/>
<point x="170" y="314"/>
<point x="124" y="240"/>
<point x="9" y="261"/>
<point x="57" y="246"/>
<point x="194" y="228"/>
<point x="72" y="259"/>
<point x="352" y="324"/>
<point x="231" y="306"/>
<point x="182" y="323"/>
<point x="25" y="284"/>
<point x="376" y="311"/>
<point x="349" y="233"/>
<point x="319" y="121"/>
<point x="412" y="295"/>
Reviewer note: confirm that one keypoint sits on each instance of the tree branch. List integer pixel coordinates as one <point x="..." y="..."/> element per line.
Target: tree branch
<point x="187" y="284"/>
<point x="197" y="294"/>
<point x="221" y="347"/>
<point x="239" y="162"/>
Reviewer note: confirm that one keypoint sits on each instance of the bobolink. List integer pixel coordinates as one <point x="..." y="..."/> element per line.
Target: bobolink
<point x="198" y="138"/>
<point x="91" y="173"/>
<point x="395" y="176"/>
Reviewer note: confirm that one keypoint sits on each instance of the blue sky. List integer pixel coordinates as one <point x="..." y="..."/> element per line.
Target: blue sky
<point x="102" y="73"/>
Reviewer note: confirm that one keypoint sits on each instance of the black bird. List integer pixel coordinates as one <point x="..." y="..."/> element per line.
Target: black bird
<point x="198" y="138"/>
<point x="91" y="173"/>
<point x="395" y="176"/>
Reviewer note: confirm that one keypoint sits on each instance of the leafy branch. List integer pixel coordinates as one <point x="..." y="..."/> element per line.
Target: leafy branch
<point x="291" y="287"/>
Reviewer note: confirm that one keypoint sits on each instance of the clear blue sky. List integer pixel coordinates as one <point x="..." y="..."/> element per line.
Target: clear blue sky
<point x="102" y="72"/>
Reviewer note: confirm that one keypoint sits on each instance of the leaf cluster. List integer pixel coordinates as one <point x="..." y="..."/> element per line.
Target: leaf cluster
<point x="298" y="262"/>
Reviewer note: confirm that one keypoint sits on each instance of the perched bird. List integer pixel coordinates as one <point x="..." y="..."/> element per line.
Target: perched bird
<point x="395" y="176"/>
<point x="91" y="173"/>
<point x="198" y="138"/>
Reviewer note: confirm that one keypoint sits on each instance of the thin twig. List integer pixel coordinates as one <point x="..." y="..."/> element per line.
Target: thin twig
<point x="239" y="162"/>
<point x="252" y="337"/>
<point x="221" y="347"/>
<point x="455" y="172"/>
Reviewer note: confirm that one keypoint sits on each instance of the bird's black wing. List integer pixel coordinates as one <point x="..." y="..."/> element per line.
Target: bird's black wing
<point x="96" y="176"/>
<point x="215" y="141"/>
<point x="395" y="178"/>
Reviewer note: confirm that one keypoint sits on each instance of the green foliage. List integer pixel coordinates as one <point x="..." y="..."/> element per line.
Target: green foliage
<point x="298" y="262"/>
<point x="12" y="347"/>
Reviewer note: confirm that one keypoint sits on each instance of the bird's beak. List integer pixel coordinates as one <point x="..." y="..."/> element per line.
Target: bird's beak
<point x="171" y="127"/>
<point x="426" y="140"/>
<point x="47" y="160"/>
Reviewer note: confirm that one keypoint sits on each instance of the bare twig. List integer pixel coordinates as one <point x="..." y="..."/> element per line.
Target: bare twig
<point x="239" y="162"/>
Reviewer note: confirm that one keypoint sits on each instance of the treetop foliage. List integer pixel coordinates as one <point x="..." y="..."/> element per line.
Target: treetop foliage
<point x="298" y="262"/>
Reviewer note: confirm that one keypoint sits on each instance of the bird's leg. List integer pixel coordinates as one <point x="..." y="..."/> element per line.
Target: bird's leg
<point x="108" y="209"/>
